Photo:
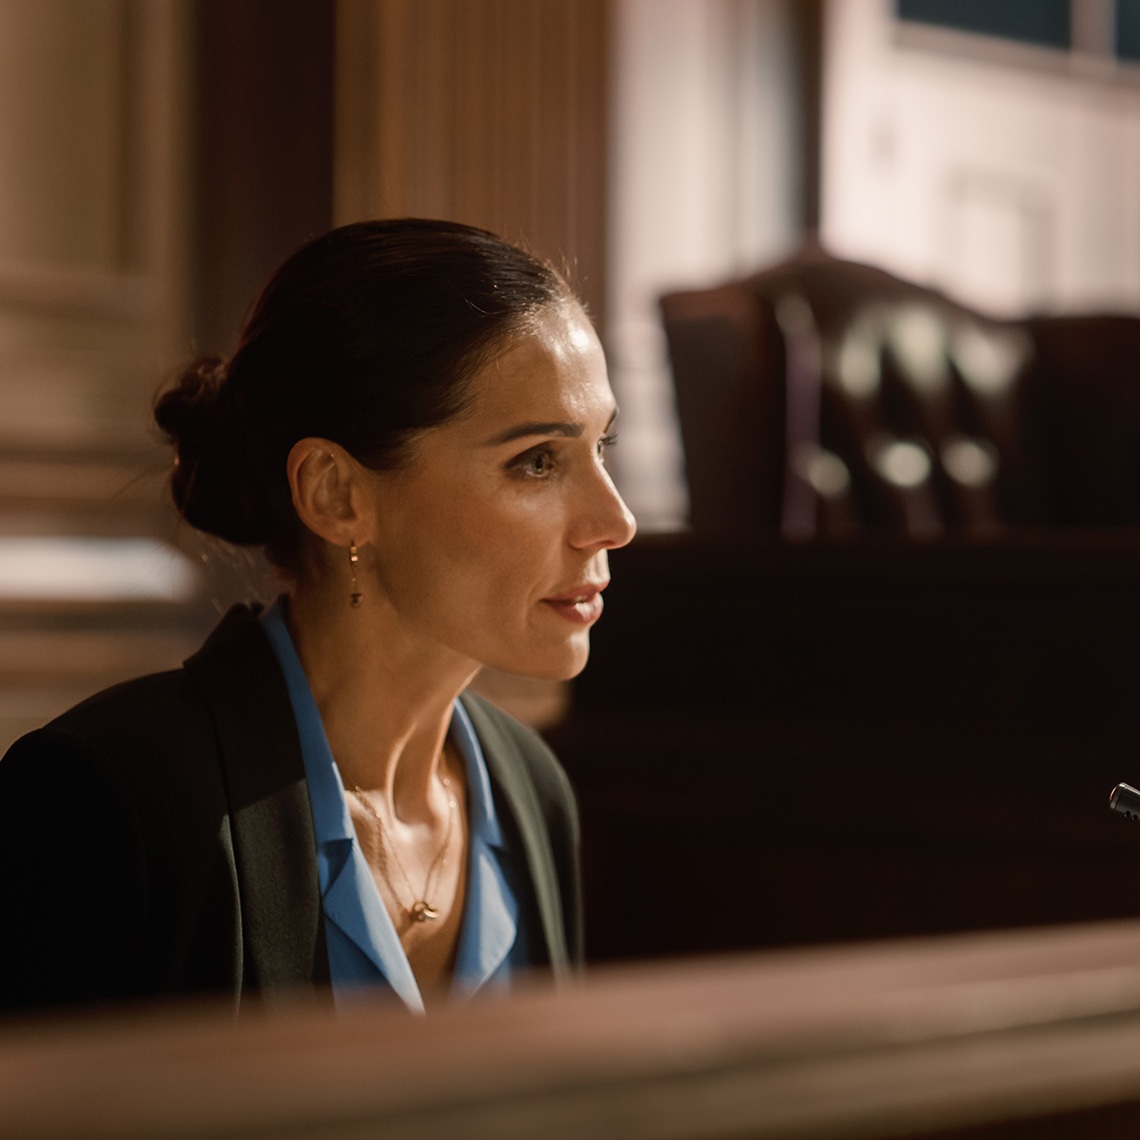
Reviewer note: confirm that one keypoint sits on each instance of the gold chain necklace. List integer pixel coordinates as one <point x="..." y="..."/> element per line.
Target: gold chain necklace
<point x="420" y="910"/>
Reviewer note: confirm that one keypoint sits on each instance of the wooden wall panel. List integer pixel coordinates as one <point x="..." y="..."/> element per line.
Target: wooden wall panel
<point x="262" y="130"/>
<point x="1004" y="174"/>
<point x="62" y="132"/>
<point x="92" y="180"/>
<point x="93" y="185"/>
<point x="491" y="112"/>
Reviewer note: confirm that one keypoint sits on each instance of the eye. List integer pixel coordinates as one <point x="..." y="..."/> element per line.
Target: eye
<point x="537" y="463"/>
<point x="605" y="443"/>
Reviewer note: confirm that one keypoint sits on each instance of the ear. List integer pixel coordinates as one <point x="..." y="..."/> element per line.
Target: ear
<point x="327" y="485"/>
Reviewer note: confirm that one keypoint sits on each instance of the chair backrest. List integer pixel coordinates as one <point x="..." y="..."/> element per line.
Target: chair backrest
<point x="827" y="398"/>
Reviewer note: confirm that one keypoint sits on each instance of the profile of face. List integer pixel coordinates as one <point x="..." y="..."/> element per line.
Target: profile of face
<point x="491" y="542"/>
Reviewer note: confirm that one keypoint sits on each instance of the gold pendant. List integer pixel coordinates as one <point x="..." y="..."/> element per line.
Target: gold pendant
<point x="422" y="911"/>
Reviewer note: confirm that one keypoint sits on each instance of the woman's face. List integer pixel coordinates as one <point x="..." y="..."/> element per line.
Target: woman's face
<point x="492" y="541"/>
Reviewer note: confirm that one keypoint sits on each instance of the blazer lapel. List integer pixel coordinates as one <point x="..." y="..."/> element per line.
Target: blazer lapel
<point x="507" y="769"/>
<point x="270" y="815"/>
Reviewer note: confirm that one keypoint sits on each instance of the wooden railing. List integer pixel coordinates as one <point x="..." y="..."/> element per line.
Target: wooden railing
<point x="1030" y="1034"/>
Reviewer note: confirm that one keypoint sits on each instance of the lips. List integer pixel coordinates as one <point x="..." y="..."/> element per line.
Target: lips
<point x="581" y="605"/>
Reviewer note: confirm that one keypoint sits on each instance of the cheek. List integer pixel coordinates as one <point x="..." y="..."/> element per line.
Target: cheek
<point x="504" y="548"/>
<point x="471" y="559"/>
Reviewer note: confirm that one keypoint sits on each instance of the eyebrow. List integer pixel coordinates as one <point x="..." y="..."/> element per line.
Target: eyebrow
<point x="538" y="427"/>
<point x="571" y="431"/>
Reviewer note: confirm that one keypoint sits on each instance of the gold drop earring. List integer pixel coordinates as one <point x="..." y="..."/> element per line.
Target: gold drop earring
<point x="355" y="596"/>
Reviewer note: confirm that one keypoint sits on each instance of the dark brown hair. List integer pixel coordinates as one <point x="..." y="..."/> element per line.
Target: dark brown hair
<point x="365" y="337"/>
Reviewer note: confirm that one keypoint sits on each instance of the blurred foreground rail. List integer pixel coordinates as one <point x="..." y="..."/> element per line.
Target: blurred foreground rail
<point x="1034" y="1033"/>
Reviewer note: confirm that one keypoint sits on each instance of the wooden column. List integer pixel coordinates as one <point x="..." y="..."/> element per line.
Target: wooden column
<point x="491" y="112"/>
<point x="93" y="174"/>
<point x="263" y="151"/>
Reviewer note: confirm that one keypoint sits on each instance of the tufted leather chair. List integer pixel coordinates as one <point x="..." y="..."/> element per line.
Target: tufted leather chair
<point x="825" y="398"/>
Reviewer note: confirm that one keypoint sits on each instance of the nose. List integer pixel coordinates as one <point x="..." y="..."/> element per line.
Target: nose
<point x="602" y="520"/>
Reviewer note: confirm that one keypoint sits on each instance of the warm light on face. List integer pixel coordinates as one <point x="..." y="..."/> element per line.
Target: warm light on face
<point x="492" y="543"/>
<point x="580" y="337"/>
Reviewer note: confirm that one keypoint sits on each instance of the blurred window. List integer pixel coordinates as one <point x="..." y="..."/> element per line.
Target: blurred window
<point x="1128" y="30"/>
<point x="1045" y="22"/>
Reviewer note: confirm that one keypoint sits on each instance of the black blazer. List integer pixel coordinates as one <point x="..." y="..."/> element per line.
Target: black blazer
<point x="158" y="839"/>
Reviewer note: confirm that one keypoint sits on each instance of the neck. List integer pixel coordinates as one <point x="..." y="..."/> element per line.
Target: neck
<point x="385" y="697"/>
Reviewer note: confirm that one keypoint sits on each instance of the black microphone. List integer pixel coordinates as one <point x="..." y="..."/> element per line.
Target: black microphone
<point x="1126" y="800"/>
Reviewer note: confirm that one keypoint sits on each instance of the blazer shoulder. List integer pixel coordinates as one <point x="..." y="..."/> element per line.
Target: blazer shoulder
<point x="168" y="711"/>
<point x="149" y="742"/>
<point x="160" y="707"/>
<point x="144" y="735"/>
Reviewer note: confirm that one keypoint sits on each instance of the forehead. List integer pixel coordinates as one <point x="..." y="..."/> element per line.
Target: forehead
<point x="553" y="370"/>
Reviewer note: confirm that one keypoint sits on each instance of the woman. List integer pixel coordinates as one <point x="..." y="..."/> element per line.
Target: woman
<point x="414" y="427"/>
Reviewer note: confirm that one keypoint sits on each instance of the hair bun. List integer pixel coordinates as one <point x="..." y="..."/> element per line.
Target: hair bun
<point x="186" y="412"/>
<point x="210" y="485"/>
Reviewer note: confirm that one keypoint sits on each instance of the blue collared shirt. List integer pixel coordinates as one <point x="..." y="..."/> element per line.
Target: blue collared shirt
<point x="364" y="948"/>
